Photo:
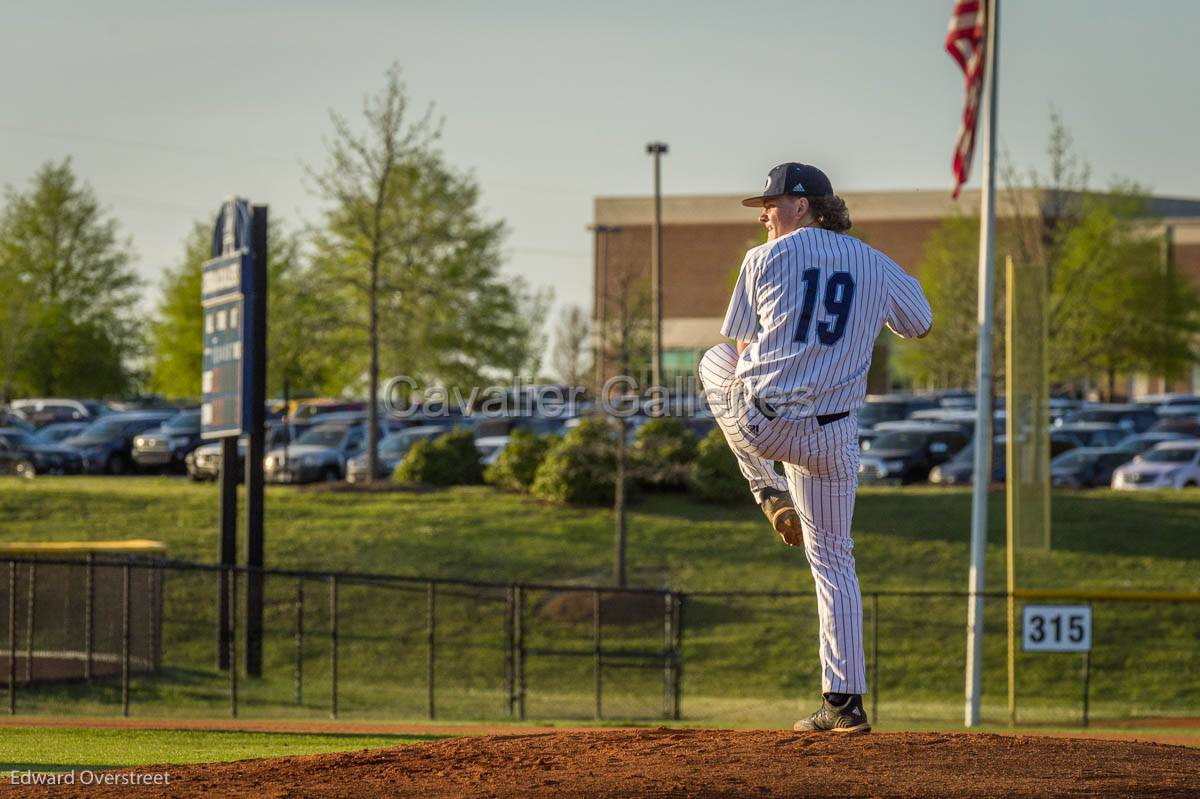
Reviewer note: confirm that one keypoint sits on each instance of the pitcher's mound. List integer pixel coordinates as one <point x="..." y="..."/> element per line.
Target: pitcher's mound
<point x="709" y="763"/>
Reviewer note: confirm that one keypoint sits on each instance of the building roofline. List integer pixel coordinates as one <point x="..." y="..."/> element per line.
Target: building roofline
<point x="865" y="206"/>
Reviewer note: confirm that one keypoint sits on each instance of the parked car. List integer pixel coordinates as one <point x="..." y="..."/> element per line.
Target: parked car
<point x="320" y="453"/>
<point x="1173" y="464"/>
<point x="1130" y="418"/>
<point x="490" y="448"/>
<point x="310" y="408"/>
<point x="392" y="449"/>
<point x="1137" y="443"/>
<point x="167" y="446"/>
<point x="1162" y="401"/>
<point x="107" y="443"/>
<point x="960" y="470"/>
<point x="487" y="426"/>
<point x="44" y="458"/>
<point x="41" y="412"/>
<point x="1086" y="467"/>
<point x="14" y="419"/>
<point x="204" y="462"/>
<point x="905" y="452"/>
<point x="14" y="462"/>
<point x="1183" y="425"/>
<point x="1092" y="434"/>
<point x="963" y="418"/>
<point x="890" y="408"/>
<point x="955" y="398"/>
<point x="59" y="431"/>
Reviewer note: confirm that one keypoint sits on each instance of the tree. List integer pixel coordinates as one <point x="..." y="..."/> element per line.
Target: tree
<point x="177" y="332"/>
<point x="69" y="325"/>
<point x="299" y="326"/>
<point x="1114" y="306"/>
<point x="405" y="254"/>
<point x="629" y="347"/>
<point x="571" y="357"/>
<point x="950" y="276"/>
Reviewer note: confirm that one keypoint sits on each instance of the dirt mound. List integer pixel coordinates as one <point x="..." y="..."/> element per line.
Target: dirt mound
<point x="577" y="607"/>
<point x="699" y="763"/>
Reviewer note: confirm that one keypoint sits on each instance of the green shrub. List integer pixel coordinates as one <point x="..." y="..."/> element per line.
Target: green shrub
<point x="663" y="452"/>
<point x="715" y="473"/>
<point x="518" y="463"/>
<point x="582" y="469"/>
<point x="449" y="460"/>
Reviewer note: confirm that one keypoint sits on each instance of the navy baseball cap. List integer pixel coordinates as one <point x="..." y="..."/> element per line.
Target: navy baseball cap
<point x="803" y="180"/>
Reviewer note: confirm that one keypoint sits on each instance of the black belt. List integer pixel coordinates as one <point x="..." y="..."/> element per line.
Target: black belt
<point x="824" y="419"/>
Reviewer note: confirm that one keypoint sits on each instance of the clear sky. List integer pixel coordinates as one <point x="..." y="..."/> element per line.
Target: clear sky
<point x="167" y="107"/>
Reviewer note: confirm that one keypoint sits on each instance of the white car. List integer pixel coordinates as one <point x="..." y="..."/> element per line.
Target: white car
<point x="1173" y="464"/>
<point x="490" y="448"/>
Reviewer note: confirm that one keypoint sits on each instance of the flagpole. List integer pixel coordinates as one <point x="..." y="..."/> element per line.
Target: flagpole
<point x="983" y="389"/>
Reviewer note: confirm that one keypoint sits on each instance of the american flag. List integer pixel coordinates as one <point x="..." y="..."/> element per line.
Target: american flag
<point x="965" y="43"/>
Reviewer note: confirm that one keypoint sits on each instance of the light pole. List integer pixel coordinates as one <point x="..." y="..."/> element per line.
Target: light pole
<point x="658" y="150"/>
<point x="600" y="339"/>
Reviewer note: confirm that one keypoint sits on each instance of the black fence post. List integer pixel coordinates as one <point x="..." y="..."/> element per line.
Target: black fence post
<point x="431" y="646"/>
<point x="30" y="622"/>
<point x="12" y="637"/>
<point x="1087" y="669"/>
<point x="679" y="602"/>
<point x="228" y="545"/>
<point x="256" y="394"/>
<point x="668" y="643"/>
<point x="1087" y="678"/>
<point x="510" y="648"/>
<point x="521" y="652"/>
<point x="299" y="640"/>
<point x="158" y="615"/>
<point x="89" y="615"/>
<point x="596" y="657"/>
<point x="125" y="632"/>
<point x="233" y="664"/>
<point x="874" y="658"/>
<point x="333" y="647"/>
<point x="151" y="631"/>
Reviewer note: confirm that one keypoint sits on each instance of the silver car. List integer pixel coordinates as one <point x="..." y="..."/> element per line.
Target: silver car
<point x="321" y="453"/>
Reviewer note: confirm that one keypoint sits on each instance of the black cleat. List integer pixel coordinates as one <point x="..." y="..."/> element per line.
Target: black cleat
<point x="849" y="717"/>
<point x="781" y="513"/>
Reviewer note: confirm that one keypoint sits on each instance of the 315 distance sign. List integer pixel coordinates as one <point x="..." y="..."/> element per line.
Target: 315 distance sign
<point x="1056" y="628"/>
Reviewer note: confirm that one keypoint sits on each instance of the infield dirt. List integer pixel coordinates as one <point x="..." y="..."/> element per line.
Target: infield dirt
<point x="698" y="763"/>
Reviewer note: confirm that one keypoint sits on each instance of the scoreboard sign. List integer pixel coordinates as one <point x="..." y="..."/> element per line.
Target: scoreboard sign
<point x="228" y="295"/>
<point x="224" y="322"/>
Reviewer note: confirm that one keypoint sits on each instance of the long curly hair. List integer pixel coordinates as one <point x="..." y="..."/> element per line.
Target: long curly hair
<point x="830" y="212"/>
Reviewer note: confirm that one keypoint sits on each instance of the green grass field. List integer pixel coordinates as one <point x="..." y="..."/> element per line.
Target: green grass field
<point x="64" y="749"/>
<point x="745" y="662"/>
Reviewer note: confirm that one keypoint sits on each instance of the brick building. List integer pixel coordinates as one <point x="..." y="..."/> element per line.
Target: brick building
<point x="705" y="237"/>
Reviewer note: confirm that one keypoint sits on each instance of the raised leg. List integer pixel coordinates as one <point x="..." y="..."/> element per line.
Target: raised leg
<point x="717" y="374"/>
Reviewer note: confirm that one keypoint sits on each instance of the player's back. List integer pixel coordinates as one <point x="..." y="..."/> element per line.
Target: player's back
<point x="819" y="299"/>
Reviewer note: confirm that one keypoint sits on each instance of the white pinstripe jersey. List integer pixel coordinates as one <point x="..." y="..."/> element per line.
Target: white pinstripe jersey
<point x="811" y="304"/>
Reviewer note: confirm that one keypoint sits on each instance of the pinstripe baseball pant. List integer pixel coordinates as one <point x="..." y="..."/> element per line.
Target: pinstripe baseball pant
<point x="820" y="464"/>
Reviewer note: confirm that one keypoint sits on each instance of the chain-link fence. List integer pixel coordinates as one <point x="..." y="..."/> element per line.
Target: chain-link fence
<point x="103" y="635"/>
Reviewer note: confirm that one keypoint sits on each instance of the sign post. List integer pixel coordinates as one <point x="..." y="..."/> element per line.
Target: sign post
<point x="1060" y="628"/>
<point x="233" y="294"/>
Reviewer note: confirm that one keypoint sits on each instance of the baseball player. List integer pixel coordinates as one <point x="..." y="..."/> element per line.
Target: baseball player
<point x="805" y="314"/>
